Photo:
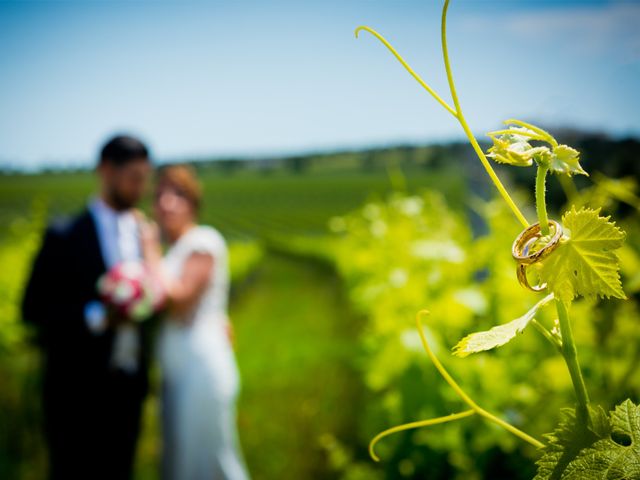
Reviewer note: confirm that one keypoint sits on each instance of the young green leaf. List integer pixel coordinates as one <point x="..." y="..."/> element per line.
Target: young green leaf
<point x="498" y="335"/>
<point x="512" y="147"/>
<point x="586" y="263"/>
<point x="609" y="448"/>
<point x="565" y="160"/>
<point x="535" y="133"/>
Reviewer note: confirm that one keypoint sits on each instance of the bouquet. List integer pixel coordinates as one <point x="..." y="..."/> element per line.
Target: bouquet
<point x="131" y="292"/>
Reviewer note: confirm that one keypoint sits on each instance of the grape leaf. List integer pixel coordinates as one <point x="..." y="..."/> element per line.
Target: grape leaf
<point x="607" y="449"/>
<point x="585" y="263"/>
<point x="567" y="441"/>
<point x="565" y="159"/>
<point x="498" y="335"/>
<point x="513" y="148"/>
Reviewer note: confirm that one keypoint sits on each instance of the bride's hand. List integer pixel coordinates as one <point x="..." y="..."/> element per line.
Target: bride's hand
<point x="231" y="334"/>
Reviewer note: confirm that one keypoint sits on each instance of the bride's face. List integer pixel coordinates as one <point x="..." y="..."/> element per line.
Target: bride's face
<point x="173" y="210"/>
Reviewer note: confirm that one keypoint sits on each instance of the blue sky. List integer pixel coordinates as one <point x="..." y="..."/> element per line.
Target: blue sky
<point x="274" y="77"/>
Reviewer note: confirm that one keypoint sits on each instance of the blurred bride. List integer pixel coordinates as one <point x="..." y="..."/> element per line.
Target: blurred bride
<point x="200" y="377"/>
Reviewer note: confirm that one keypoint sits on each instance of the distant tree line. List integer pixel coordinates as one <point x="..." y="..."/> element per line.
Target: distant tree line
<point x="612" y="157"/>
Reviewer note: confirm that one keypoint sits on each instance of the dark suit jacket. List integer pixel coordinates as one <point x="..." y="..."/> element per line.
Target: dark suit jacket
<point x="88" y="405"/>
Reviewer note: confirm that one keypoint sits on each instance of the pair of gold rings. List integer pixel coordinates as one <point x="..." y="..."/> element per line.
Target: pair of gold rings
<point x="522" y="246"/>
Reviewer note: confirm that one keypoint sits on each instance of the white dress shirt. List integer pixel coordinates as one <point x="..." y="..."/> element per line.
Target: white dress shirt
<point x="119" y="241"/>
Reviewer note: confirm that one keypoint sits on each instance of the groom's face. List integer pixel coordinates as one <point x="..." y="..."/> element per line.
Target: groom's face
<point x="125" y="185"/>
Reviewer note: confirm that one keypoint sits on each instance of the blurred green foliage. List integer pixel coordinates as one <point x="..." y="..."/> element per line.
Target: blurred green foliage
<point x="19" y="402"/>
<point x="413" y="252"/>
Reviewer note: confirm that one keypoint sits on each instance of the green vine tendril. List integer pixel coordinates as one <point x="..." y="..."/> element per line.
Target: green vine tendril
<point x="456" y="112"/>
<point x="474" y="407"/>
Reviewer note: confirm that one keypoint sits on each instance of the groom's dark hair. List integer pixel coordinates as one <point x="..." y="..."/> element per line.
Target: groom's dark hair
<point x="123" y="149"/>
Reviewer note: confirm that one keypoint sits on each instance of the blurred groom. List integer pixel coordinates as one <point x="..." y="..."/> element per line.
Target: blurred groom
<point x="95" y="369"/>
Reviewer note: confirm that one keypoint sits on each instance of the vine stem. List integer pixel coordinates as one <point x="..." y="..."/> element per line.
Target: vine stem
<point x="547" y="334"/>
<point x="463" y="122"/>
<point x="570" y="355"/>
<point x="541" y="202"/>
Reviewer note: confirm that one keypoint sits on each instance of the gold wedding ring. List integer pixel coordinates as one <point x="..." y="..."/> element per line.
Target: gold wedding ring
<point x="521" y="246"/>
<point x="521" y="272"/>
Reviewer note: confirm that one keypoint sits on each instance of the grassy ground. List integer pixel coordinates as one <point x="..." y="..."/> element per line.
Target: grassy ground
<point x="295" y="348"/>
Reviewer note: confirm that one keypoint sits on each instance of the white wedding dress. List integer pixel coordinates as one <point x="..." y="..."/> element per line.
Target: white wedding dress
<point x="200" y="377"/>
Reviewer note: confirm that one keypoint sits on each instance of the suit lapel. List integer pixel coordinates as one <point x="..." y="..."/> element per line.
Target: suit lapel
<point x="93" y="252"/>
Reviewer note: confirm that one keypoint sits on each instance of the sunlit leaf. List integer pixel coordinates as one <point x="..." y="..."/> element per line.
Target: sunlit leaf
<point x="586" y="263"/>
<point x="499" y="335"/>
<point x="565" y="160"/>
